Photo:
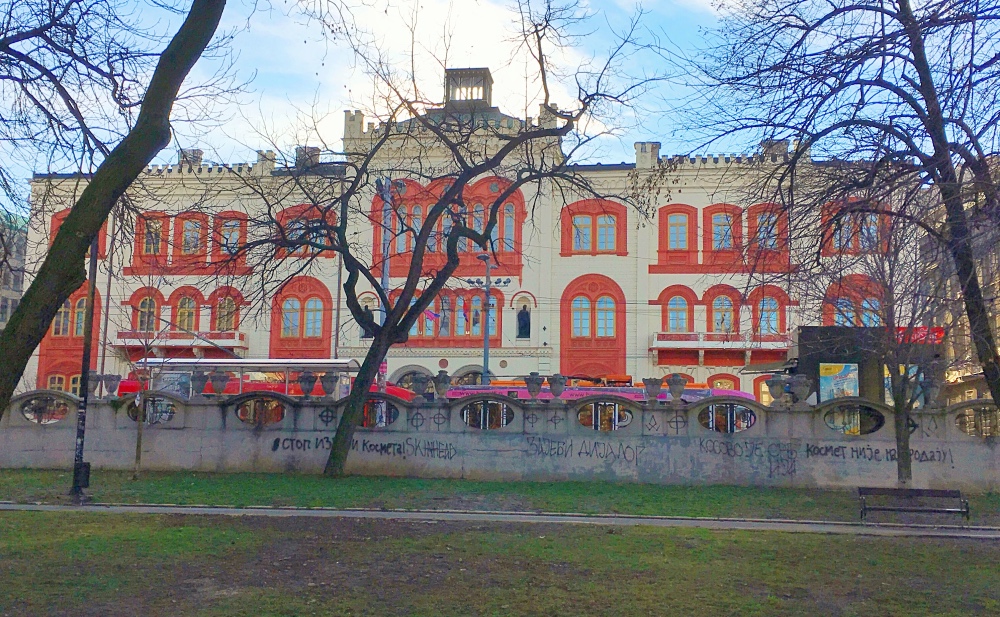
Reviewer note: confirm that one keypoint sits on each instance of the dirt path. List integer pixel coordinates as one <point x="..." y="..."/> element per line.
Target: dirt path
<point x="790" y="526"/>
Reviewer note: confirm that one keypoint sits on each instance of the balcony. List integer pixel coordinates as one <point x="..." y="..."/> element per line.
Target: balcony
<point x="716" y="340"/>
<point x="233" y="339"/>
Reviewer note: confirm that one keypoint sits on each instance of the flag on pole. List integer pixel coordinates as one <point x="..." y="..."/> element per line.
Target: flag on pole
<point x="429" y="314"/>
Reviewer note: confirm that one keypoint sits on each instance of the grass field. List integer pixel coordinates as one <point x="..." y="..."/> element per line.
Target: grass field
<point x="122" y="565"/>
<point x="375" y="492"/>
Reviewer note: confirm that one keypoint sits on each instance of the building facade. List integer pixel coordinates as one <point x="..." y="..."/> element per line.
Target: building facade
<point x="13" y="247"/>
<point x="586" y="286"/>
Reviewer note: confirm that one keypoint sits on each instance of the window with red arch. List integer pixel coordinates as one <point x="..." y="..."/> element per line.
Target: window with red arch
<point x="303" y="222"/>
<point x="760" y="390"/>
<point x="848" y="229"/>
<point x="767" y="238"/>
<point x="411" y="203"/>
<point x="678" y="239"/>
<point x="301" y="320"/>
<point x="722" y="244"/>
<point x="854" y="300"/>
<point x="724" y="381"/>
<point x="61" y="350"/>
<point x="594" y="227"/>
<point x="148" y="306"/>
<point x="458" y="319"/>
<point x="769" y="312"/>
<point x="225" y="303"/>
<point x="190" y="239"/>
<point x="677" y="304"/>
<point x="185" y="309"/>
<point x="592" y="326"/>
<point x="229" y="233"/>
<point x="60" y="217"/>
<point x="151" y="249"/>
<point x="723" y="304"/>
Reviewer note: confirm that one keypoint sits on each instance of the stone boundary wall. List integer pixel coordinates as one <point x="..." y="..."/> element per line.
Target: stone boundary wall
<point x="661" y="444"/>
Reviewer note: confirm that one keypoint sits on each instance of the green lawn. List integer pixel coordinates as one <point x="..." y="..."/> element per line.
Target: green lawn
<point x="409" y="493"/>
<point x="115" y="565"/>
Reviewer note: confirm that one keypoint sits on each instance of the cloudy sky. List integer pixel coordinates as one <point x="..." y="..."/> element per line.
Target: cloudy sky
<point x="298" y="74"/>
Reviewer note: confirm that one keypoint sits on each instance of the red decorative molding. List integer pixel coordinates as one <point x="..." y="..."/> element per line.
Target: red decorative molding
<point x="592" y="356"/>
<point x="594" y="209"/>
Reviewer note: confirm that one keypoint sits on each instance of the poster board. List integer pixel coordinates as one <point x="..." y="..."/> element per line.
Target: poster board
<point x="837" y="380"/>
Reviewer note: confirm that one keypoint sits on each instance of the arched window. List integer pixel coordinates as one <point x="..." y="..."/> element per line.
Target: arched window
<point x="844" y="315"/>
<point x="581" y="317"/>
<point x="229" y="240"/>
<point x="677" y="314"/>
<point x="314" y="318"/>
<point x="429" y="320"/>
<point x="722" y="232"/>
<point x="186" y="308"/>
<point x="401" y="219"/>
<point x="61" y="322"/>
<point x="768" y="315"/>
<point x="606" y="232"/>
<point x="491" y="316"/>
<point x="444" y="321"/>
<point x="56" y="382"/>
<point x="581" y="233"/>
<point x="871" y="313"/>
<point x="290" y="318"/>
<point x="508" y="227"/>
<point x="605" y="316"/>
<point x="677" y="225"/>
<point x="147" y="315"/>
<point x="79" y="317"/>
<point x="477" y="316"/>
<point x="477" y="218"/>
<point x="869" y="232"/>
<point x="418" y="219"/>
<point x="767" y="231"/>
<point x="191" y="241"/>
<point x="461" y="321"/>
<point x="723" y="318"/>
<point x="153" y="237"/>
<point x="225" y="315"/>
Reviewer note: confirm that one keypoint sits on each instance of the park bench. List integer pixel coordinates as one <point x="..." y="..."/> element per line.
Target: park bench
<point x="959" y="504"/>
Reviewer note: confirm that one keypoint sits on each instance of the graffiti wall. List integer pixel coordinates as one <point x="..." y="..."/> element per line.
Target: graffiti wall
<point x="844" y="443"/>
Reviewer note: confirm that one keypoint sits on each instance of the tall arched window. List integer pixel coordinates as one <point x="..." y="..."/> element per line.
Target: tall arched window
<point x="477" y="316"/>
<point x="677" y="314"/>
<point x="508" y="227"/>
<point x="79" y="317"/>
<point x="768" y="315"/>
<point x="870" y="313"/>
<point x="186" y="308"/>
<point x="444" y="321"/>
<point x="477" y="218"/>
<point x="314" y="318"/>
<point x="869" y="232"/>
<point x="429" y="320"/>
<point x="61" y="322"/>
<point x="581" y="233"/>
<point x="723" y="318"/>
<point x="491" y="316"/>
<point x="677" y="225"/>
<point x="418" y="219"/>
<point x="225" y="315"/>
<point x="461" y="320"/>
<point x="581" y="317"/>
<point x="722" y="232"/>
<point x="605" y="316"/>
<point x="290" y="318"/>
<point x="844" y="315"/>
<point x="401" y="220"/>
<point x="147" y="315"/>
<point x="606" y="232"/>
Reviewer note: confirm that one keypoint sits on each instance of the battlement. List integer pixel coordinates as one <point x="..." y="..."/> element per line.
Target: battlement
<point x="187" y="166"/>
<point x="647" y="155"/>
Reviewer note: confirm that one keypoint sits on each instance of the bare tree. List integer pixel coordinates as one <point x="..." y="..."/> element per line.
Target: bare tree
<point x="59" y="59"/>
<point x="907" y="91"/>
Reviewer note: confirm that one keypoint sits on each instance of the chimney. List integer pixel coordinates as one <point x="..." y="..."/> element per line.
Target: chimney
<point x="306" y="156"/>
<point x="774" y="148"/>
<point x="647" y="154"/>
<point x="189" y="156"/>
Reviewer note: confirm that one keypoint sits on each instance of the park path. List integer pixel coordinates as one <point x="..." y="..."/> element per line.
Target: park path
<point x="790" y="526"/>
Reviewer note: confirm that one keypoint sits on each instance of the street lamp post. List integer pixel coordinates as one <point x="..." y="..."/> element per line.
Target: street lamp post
<point x="81" y="470"/>
<point x="486" y="259"/>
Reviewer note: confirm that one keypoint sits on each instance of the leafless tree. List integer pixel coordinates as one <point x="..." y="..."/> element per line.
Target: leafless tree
<point x="63" y="56"/>
<point x="906" y="91"/>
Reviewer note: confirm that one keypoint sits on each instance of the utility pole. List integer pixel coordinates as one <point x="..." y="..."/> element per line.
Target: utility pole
<point x="81" y="470"/>
<point x="384" y="189"/>
<point x="485" y="258"/>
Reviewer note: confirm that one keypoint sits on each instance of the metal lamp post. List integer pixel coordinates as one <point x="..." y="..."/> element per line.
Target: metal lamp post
<point x="487" y="260"/>
<point x="81" y="469"/>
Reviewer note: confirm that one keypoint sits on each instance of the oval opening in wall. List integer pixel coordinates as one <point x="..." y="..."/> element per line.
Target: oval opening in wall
<point x="727" y="417"/>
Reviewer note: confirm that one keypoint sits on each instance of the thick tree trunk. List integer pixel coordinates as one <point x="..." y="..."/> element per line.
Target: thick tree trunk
<point x="354" y="407"/>
<point x="901" y="424"/>
<point x="62" y="272"/>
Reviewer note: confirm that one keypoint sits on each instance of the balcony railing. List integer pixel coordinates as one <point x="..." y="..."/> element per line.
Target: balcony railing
<point x="232" y="339"/>
<point x="718" y="340"/>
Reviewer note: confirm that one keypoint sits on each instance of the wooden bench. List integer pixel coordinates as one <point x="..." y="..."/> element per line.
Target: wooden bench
<point x="912" y="493"/>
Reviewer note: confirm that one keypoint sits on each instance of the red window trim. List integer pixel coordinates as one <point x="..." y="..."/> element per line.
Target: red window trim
<point x="676" y="260"/>
<point x="302" y="288"/>
<point x="213" y="302"/>
<point x="137" y="296"/>
<point x="663" y="301"/>
<point x="174" y="302"/>
<point x="141" y="262"/>
<point x="465" y="340"/>
<point x="594" y="208"/>
<point x="725" y="258"/>
<point x="218" y="255"/>
<point x="198" y="257"/>
<point x="708" y="299"/>
<point x="754" y="298"/>
<point x="60" y="217"/>
<point x="305" y="211"/>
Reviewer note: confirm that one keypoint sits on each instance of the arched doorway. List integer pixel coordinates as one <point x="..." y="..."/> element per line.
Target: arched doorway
<point x="592" y="327"/>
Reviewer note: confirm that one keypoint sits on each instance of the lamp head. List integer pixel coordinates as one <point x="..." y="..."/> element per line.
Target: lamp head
<point x="483" y="257"/>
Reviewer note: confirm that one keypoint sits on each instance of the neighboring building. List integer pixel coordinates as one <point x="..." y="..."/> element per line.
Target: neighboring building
<point x="13" y="246"/>
<point x="593" y="289"/>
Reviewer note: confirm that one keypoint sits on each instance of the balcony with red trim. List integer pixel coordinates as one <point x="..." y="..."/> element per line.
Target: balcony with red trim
<point x="175" y="339"/>
<point x="718" y="340"/>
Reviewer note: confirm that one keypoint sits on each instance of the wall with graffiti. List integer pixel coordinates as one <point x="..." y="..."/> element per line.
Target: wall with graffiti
<point x="717" y="440"/>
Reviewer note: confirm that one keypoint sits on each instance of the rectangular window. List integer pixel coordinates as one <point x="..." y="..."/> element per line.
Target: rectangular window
<point x="230" y="232"/>
<point x="19" y="280"/>
<point x="842" y="235"/>
<point x="606" y="233"/>
<point x="767" y="232"/>
<point x="677" y="232"/>
<point x="722" y="232"/>
<point x="869" y="232"/>
<point x="153" y="238"/>
<point x="74" y="385"/>
<point x="191" y="242"/>
<point x="581" y="233"/>
<point x="4" y="307"/>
